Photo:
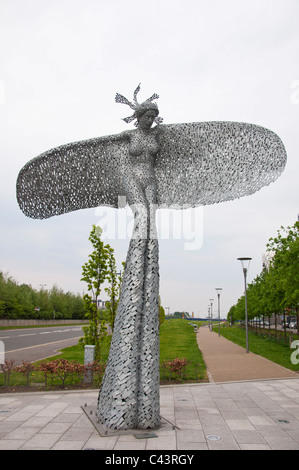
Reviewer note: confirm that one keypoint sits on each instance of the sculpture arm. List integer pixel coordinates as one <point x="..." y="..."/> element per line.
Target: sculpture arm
<point x="116" y="138"/>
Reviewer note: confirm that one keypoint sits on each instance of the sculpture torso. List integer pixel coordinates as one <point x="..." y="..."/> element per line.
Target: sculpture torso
<point x="143" y="149"/>
<point x="143" y="146"/>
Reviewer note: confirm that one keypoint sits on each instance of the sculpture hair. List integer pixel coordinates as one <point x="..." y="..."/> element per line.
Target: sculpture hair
<point x="139" y="108"/>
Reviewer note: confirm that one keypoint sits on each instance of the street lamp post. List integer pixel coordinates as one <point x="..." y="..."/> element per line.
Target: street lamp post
<point x="245" y="265"/>
<point x="218" y="290"/>
<point x="211" y="300"/>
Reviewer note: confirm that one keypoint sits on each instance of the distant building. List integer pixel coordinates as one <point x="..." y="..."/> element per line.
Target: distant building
<point x="266" y="259"/>
<point x="101" y="303"/>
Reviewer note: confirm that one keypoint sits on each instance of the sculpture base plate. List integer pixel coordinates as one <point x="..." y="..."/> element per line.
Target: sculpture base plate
<point x="104" y="431"/>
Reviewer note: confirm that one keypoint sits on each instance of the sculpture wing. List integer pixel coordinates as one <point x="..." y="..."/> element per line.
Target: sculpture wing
<point x="210" y="162"/>
<point x="75" y="176"/>
<point x="198" y="164"/>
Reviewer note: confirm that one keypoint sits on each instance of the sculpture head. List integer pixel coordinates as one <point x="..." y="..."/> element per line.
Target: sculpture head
<point x="147" y="108"/>
<point x="146" y="114"/>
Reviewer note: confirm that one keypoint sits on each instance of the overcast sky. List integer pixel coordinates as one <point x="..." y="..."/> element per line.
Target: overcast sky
<point x="62" y="61"/>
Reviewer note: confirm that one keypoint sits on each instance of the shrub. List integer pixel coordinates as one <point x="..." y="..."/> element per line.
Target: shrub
<point x="63" y="368"/>
<point x="26" y="368"/>
<point x="48" y="368"/>
<point x="176" y="366"/>
<point x="7" y="368"/>
<point x="98" y="368"/>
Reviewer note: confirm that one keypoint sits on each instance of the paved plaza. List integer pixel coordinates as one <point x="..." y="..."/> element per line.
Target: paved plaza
<point x="229" y="413"/>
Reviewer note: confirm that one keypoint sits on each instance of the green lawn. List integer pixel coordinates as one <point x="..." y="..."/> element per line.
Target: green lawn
<point x="261" y="345"/>
<point x="178" y="340"/>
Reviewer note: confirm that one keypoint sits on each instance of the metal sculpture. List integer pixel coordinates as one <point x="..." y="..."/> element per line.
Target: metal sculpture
<point x="153" y="167"/>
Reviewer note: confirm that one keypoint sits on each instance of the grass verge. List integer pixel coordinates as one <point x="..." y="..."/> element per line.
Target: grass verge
<point x="261" y="345"/>
<point x="178" y="340"/>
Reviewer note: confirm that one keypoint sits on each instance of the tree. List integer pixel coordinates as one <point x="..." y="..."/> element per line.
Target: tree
<point x="19" y="301"/>
<point x="285" y="264"/>
<point x="113" y="290"/>
<point x="231" y="315"/>
<point x="44" y="303"/>
<point x="57" y="300"/>
<point x="276" y="289"/>
<point x="161" y="313"/>
<point x="94" y="273"/>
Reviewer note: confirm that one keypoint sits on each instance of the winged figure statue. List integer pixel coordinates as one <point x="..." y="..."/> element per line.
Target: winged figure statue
<point x="154" y="166"/>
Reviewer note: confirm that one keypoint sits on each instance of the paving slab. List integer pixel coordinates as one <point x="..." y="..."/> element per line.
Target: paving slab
<point x="230" y="416"/>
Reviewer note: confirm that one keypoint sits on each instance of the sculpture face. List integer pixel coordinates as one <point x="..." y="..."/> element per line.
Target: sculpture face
<point x="146" y="120"/>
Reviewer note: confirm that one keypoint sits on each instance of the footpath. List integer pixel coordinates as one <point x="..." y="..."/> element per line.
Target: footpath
<point x="226" y="361"/>
<point x="249" y="404"/>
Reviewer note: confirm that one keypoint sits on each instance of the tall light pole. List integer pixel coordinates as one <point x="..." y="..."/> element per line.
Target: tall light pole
<point x="211" y="300"/>
<point x="245" y="265"/>
<point x="218" y="290"/>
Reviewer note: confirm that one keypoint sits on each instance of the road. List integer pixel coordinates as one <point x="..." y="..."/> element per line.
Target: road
<point x="33" y="344"/>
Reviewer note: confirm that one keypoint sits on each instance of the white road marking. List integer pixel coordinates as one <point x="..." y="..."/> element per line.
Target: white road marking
<point x="42" y="345"/>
